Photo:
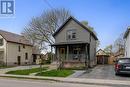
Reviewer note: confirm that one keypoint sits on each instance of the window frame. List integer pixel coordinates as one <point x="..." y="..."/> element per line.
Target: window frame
<point x="2" y="41"/>
<point x="70" y="34"/>
<point x="24" y="46"/>
<point x="26" y="56"/>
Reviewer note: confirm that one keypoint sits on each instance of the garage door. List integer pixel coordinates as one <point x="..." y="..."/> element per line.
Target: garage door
<point x="102" y="60"/>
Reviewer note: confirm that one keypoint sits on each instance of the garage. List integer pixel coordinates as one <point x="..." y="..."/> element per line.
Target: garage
<point x="102" y="57"/>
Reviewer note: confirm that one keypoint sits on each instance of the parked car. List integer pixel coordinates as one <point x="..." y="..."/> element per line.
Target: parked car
<point x="122" y="66"/>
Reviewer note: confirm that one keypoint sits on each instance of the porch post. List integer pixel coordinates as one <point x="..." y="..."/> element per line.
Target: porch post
<point x="67" y="53"/>
<point x="89" y="56"/>
<point x="86" y="57"/>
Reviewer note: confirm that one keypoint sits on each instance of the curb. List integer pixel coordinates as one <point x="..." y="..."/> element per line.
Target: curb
<point x="72" y="80"/>
<point x="26" y="77"/>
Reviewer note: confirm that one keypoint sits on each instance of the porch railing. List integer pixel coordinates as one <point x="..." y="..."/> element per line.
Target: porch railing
<point x="76" y="57"/>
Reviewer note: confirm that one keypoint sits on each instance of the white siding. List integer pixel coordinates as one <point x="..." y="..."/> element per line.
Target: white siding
<point x="127" y="46"/>
<point x="3" y="48"/>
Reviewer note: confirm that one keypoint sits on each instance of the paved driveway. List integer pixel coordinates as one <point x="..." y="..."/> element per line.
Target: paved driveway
<point x="104" y="72"/>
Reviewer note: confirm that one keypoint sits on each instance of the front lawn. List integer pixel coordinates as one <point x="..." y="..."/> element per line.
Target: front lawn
<point x="26" y="71"/>
<point x="56" y="73"/>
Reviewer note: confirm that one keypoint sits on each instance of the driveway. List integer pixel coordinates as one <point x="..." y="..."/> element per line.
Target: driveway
<point x="104" y="72"/>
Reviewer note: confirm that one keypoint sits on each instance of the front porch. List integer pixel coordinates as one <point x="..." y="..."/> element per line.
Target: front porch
<point x="72" y="55"/>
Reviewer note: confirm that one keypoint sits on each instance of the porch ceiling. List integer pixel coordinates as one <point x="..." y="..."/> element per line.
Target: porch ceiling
<point x="69" y="43"/>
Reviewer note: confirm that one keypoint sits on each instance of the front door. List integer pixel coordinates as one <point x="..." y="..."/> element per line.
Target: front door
<point x="62" y="53"/>
<point x="19" y="60"/>
<point x="34" y="58"/>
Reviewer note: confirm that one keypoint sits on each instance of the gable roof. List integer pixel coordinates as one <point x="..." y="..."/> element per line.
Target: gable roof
<point x="126" y="33"/>
<point x="15" y="38"/>
<point x="61" y="27"/>
<point x="104" y="53"/>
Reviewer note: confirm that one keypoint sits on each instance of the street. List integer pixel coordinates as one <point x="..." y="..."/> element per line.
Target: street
<point x="4" y="82"/>
<point x="104" y="72"/>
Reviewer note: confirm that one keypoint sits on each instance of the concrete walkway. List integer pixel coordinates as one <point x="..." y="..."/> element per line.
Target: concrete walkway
<point x="50" y="67"/>
<point x="77" y="73"/>
<point x="73" y="80"/>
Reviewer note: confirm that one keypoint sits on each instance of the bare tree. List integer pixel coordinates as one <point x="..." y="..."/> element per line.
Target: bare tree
<point x="97" y="44"/>
<point x="119" y="43"/>
<point x="40" y="29"/>
<point x="108" y="49"/>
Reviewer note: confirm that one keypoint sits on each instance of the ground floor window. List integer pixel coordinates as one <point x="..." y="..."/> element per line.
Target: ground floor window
<point x="26" y="56"/>
<point x="19" y="60"/>
<point x="76" y="53"/>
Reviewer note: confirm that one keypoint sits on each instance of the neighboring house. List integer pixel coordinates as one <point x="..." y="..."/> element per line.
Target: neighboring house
<point x="127" y="42"/>
<point x="75" y="44"/>
<point x="14" y="49"/>
<point x="36" y="54"/>
<point x="102" y="57"/>
<point x="105" y="58"/>
<point x="120" y="53"/>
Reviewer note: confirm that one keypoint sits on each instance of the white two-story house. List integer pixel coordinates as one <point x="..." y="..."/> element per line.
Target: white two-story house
<point x="75" y="44"/>
<point x="14" y="49"/>
<point x="127" y="42"/>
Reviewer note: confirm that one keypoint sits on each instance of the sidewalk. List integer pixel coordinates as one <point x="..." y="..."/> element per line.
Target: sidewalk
<point x="72" y="80"/>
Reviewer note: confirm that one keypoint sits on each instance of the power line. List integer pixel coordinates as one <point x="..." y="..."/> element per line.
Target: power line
<point x="48" y="4"/>
<point x="51" y="8"/>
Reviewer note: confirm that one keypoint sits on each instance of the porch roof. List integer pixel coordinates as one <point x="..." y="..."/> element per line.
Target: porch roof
<point x="69" y="43"/>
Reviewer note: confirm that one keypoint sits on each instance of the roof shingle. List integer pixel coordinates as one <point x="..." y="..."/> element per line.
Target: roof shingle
<point x="12" y="37"/>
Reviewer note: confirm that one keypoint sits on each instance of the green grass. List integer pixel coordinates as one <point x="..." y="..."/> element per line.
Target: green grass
<point x="56" y="73"/>
<point x="26" y="71"/>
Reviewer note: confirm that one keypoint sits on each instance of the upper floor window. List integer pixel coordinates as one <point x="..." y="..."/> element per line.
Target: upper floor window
<point x="23" y="45"/>
<point x="71" y="34"/>
<point x="1" y="41"/>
